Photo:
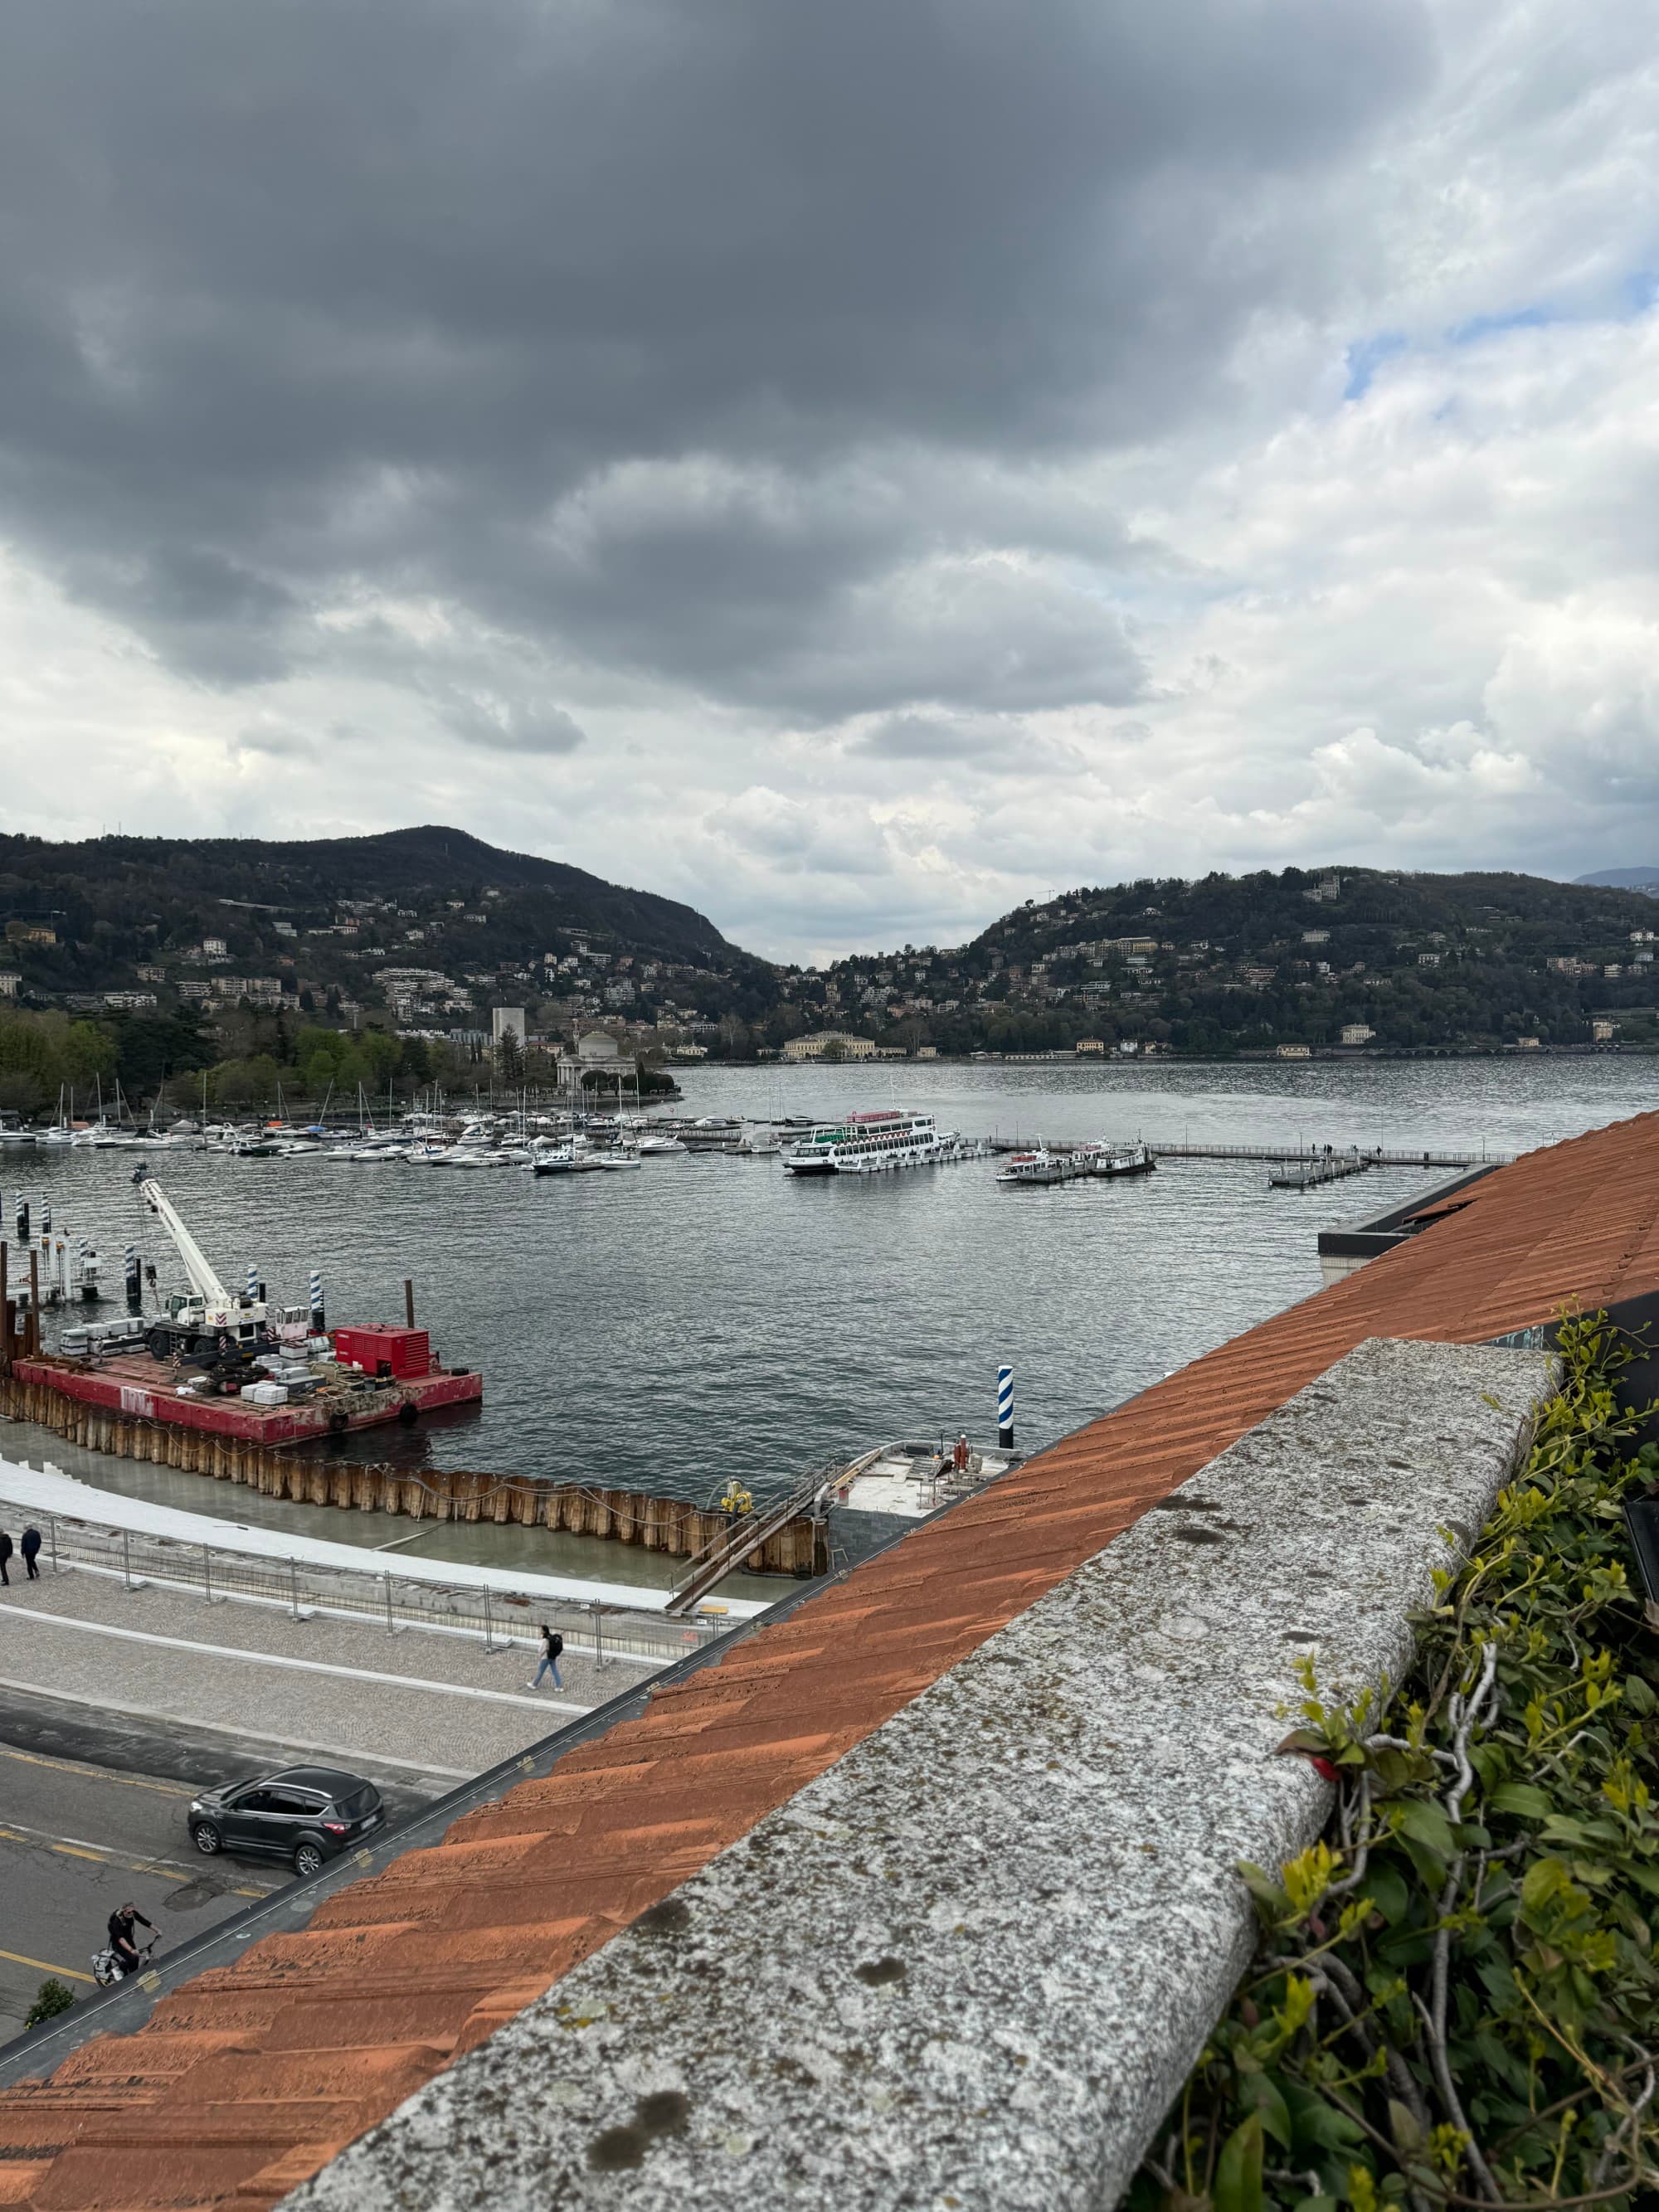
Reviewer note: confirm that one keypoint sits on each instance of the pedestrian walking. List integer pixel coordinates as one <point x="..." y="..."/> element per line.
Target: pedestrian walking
<point x="552" y="1644"/>
<point x="5" y="1554"/>
<point x="30" y="1548"/>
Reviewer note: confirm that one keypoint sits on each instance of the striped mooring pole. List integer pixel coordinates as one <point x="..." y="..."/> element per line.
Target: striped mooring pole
<point x="46" y="1219"/>
<point x="135" y="1282"/>
<point x="253" y="1284"/>
<point x="1004" y="1409"/>
<point x="23" y="1219"/>
<point x="318" y="1321"/>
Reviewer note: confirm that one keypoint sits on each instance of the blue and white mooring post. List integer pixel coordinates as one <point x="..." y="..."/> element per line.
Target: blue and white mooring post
<point x="253" y="1284"/>
<point x="1004" y="1409"/>
<point x="135" y="1282"/>
<point x="23" y="1219"/>
<point x="46" y="1219"/>
<point x="319" y="1321"/>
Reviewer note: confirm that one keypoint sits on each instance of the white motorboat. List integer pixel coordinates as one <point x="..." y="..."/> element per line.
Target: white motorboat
<point x="571" y="1156"/>
<point x="914" y="1480"/>
<point x="657" y="1147"/>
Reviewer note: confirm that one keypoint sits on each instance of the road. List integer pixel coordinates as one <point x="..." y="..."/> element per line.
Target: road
<point x="91" y="1815"/>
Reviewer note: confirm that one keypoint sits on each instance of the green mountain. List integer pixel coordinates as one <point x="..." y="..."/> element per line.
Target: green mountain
<point x="1635" y="879"/>
<point x="1224" y="964"/>
<point x="110" y="891"/>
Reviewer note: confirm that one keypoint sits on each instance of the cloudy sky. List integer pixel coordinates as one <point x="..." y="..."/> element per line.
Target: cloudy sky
<point x="851" y="466"/>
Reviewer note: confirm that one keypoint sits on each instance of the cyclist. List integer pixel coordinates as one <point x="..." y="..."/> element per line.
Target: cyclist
<point x="128" y="1957"/>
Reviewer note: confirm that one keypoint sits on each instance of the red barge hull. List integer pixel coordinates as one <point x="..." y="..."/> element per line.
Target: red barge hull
<point x="128" y="1384"/>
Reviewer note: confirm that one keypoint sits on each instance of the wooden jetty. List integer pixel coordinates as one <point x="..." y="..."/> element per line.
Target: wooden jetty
<point x="1309" y="1174"/>
<point x="1371" y="1156"/>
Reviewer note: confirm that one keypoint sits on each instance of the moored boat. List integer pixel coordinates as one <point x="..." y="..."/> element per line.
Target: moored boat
<point x="876" y="1143"/>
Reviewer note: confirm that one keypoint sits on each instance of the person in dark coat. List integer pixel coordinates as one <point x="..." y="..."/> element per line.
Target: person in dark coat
<point x="30" y="1548"/>
<point x="552" y="1646"/>
<point x="5" y="1553"/>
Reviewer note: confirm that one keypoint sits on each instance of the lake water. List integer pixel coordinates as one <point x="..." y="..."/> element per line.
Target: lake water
<point x="710" y="1317"/>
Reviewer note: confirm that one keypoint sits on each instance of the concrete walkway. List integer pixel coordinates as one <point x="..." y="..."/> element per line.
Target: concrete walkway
<point x="433" y="1706"/>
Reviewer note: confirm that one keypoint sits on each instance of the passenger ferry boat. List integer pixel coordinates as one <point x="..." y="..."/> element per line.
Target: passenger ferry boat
<point x="877" y="1144"/>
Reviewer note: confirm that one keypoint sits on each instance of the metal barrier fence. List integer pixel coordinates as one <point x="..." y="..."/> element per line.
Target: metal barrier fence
<point x="498" y="1617"/>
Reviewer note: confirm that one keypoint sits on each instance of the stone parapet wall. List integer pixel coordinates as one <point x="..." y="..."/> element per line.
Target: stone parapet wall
<point x="971" y="1963"/>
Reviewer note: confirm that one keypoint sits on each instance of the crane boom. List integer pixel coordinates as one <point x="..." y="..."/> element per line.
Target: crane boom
<point x="203" y="1280"/>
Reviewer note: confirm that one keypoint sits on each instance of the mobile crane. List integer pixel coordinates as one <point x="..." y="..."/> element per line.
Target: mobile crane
<point x="208" y="1326"/>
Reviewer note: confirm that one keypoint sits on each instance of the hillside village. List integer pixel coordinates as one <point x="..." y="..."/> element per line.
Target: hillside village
<point x="462" y="963"/>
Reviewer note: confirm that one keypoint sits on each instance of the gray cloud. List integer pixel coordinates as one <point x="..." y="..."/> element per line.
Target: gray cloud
<point x="509" y="726"/>
<point x="386" y="295"/>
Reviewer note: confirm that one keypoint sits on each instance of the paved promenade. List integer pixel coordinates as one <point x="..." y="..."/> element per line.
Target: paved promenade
<point x="429" y="1705"/>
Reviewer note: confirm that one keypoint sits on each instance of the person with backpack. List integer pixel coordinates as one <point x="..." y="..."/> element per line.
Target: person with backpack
<point x="30" y="1548"/>
<point x="552" y="1644"/>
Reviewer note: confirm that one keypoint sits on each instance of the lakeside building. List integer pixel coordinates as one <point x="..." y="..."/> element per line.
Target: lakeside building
<point x="634" y="1851"/>
<point x="822" y="1041"/>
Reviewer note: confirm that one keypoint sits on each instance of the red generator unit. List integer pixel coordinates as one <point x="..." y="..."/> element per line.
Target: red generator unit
<point x="403" y="1353"/>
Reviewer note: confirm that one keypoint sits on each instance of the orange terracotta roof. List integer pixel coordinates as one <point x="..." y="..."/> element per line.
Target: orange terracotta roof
<point x="247" y="2079"/>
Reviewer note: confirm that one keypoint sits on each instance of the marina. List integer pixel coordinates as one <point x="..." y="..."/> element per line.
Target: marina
<point x="713" y="1316"/>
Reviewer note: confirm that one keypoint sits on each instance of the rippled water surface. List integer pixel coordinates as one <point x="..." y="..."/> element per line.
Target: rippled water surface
<point x="711" y="1317"/>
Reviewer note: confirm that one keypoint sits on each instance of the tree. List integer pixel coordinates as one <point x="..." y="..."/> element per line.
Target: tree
<point x="52" y="1997"/>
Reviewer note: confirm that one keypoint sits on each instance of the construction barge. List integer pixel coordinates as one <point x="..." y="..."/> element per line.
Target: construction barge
<point x="34" y="1391"/>
<point x="224" y="1386"/>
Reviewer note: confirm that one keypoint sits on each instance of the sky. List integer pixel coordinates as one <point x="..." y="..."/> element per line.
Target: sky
<point x="852" y="468"/>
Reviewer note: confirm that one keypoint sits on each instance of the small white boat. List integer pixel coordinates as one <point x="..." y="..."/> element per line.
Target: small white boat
<point x="657" y="1147"/>
<point x="758" y="1145"/>
<point x="574" y="1155"/>
<point x="1039" y="1167"/>
<point x="913" y="1480"/>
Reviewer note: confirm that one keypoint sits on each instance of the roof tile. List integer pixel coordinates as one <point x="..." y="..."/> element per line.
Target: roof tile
<point x="249" y="2078"/>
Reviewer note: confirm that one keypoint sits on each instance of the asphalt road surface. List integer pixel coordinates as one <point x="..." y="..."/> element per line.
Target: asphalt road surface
<point x="91" y="1815"/>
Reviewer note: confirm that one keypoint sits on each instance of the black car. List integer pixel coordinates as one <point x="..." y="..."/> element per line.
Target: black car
<point x="305" y="1813"/>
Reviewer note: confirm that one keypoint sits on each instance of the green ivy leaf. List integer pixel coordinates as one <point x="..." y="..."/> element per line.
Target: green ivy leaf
<point x="1385" y="1886"/>
<point x="1427" y="1825"/>
<point x="1523" y="1797"/>
<point x="1238" y="2170"/>
<point x="1263" y="2094"/>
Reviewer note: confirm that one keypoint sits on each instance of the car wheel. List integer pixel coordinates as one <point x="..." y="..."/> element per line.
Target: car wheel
<point x="206" y="1837"/>
<point x="307" y="1859"/>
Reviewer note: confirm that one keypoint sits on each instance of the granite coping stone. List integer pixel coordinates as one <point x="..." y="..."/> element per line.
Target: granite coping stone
<point x="968" y="1967"/>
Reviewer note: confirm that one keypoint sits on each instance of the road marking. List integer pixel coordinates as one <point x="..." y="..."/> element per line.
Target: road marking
<point x="75" y="1847"/>
<point x="298" y="1665"/>
<point x="45" y="1966"/>
<point x="261" y="1740"/>
<point x="90" y="1773"/>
